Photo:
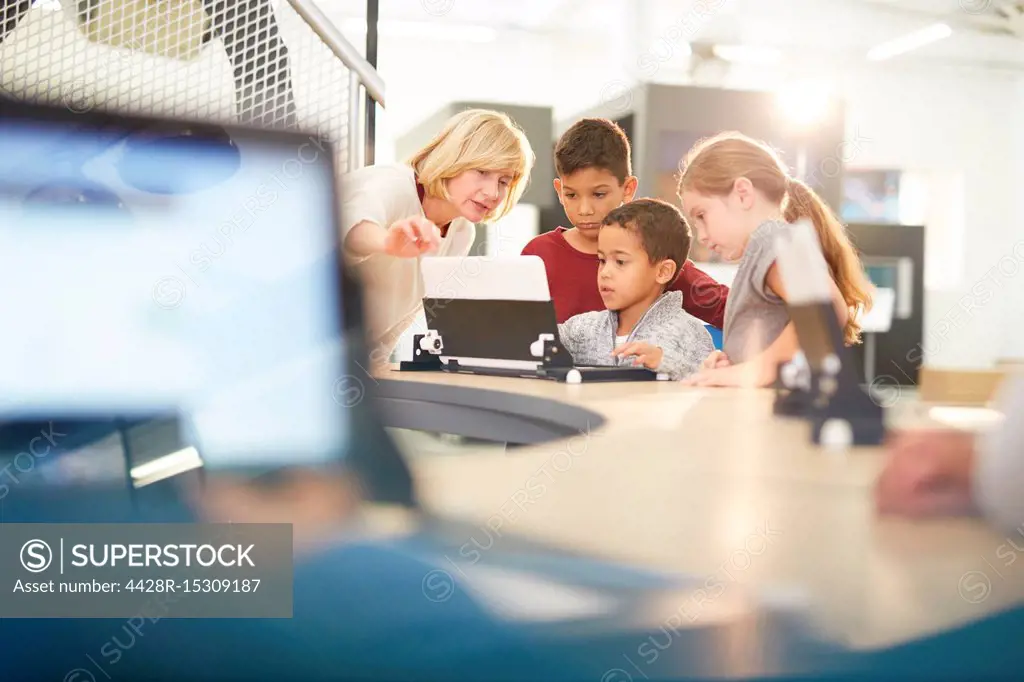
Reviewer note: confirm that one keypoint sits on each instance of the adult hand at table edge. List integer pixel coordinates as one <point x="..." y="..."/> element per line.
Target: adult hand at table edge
<point x="751" y="374"/>
<point x="927" y="472"/>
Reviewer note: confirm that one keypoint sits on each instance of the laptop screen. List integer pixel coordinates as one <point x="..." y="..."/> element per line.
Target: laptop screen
<point x="150" y="268"/>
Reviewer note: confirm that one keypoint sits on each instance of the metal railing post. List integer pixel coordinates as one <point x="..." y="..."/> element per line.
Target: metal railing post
<point x="354" y="143"/>
<point x="342" y="49"/>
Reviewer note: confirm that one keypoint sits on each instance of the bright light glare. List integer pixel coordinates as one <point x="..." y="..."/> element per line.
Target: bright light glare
<point x="804" y="103"/>
<point x="909" y="42"/>
<point x="747" y="54"/>
<point x="429" y="30"/>
<point x="176" y="462"/>
<point x="969" y="418"/>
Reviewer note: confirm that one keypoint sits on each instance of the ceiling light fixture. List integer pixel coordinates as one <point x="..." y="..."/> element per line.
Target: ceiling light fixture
<point x="909" y="42"/>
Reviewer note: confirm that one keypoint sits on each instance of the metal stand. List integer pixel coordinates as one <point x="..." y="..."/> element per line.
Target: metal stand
<point x="793" y="396"/>
<point x="555" y="357"/>
<point x="869" y="358"/>
<point x="843" y="413"/>
<point x="826" y="388"/>
<point x="424" y="360"/>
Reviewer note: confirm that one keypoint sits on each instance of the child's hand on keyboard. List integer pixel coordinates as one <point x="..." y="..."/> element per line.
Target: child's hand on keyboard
<point x="644" y="354"/>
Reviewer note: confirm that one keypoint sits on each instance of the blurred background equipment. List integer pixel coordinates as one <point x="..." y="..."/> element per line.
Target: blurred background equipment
<point x="65" y="194"/>
<point x="254" y="62"/>
<point x="242" y="336"/>
<point x="159" y="159"/>
<point x="178" y="29"/>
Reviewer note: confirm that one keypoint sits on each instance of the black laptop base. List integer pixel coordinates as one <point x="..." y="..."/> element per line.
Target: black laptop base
<point x="521" y="332"/>
<point x="594" y="375"/>
<point x="556" y="365"/>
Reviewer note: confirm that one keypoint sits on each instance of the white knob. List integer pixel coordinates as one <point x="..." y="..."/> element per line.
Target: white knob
<point x="431" y="342"/>
<point x="573" y="376"/>
<point x="836" y="434"/>
<point x="790" y="375"/>
<point x="831" y="364"/>
<point x="537" y="347"/>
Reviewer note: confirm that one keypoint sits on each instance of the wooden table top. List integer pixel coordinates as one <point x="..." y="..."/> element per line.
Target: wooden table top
<point x="707" y="482"/>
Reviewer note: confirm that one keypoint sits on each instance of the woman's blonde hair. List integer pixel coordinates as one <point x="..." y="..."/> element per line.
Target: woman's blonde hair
<point x="476" y="139"/>
<point x="713" y="166"/>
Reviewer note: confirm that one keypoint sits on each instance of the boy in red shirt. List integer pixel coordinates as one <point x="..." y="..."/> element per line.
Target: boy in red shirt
<point x="592" y="159"/>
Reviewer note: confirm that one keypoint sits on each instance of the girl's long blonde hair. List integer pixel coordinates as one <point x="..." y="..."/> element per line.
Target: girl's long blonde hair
<point x="476" y="139"/>
<point x="713" y="166"/>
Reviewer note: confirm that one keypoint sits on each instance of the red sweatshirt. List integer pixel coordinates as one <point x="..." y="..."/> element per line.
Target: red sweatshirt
<point x="572" y="279"/>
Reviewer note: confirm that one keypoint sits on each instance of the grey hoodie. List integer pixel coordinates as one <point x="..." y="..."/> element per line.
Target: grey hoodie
<point x="684" y="340"/>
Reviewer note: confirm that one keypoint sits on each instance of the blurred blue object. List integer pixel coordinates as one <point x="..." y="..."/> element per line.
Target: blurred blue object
<point x="179" y="161"/>
<point x="73" y="193"/>
<point x="716" y="336"/>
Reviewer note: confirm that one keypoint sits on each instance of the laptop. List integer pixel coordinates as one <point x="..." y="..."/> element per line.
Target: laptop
<point x="494" y="316"/>
<point x="180" y="308"/>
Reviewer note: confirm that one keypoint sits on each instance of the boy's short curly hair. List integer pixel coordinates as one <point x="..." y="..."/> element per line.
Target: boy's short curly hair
<point x="663" y="232"/>
<point x="594" y="143"/>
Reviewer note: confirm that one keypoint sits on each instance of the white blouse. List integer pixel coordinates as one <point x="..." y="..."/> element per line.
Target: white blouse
<point x="393" y="287"/>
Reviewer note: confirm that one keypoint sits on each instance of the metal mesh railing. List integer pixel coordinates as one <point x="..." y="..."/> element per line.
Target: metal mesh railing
<point x="249" y="61"/>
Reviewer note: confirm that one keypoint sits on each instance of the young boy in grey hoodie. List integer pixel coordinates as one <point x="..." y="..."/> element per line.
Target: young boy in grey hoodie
<point x="641" y="247"/>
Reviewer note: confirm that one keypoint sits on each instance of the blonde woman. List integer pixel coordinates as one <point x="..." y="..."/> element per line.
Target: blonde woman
<point x="473" y="171"/>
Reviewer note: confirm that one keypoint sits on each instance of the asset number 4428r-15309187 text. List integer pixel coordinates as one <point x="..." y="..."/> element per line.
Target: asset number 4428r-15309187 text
<point x="215" y="585"/>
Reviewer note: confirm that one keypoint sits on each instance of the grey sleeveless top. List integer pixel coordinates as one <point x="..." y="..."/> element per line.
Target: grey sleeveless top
<point x="754" y="315"/>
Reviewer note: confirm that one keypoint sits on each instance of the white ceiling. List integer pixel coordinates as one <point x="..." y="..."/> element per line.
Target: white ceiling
<point x="849" y="28"/>
<point x="804" y="29"/>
